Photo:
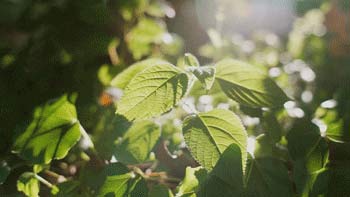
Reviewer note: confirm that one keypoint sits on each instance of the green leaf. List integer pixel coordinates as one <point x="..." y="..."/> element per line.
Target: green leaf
<point x="4" y="172"/>
<point x="208" y="134"/>
<point x="305" y="142"/>
<point x="138" y="142"/>
<point x="160" y="191"/>
<point x="310" y="153"/>
<point x="272" y="127"/>
<point x="267" y="177"/>
<point x="67" y="189"/>
<point x="120" y="182"/>
<point x="226" y="179"/>
<point x="191" y="60"/>
<point x="153" y="91"/>
<point x="145" y="33"/>
<point x="248" y="85"/>
<point x="28" y="184"/>
<point x="193" y="179"/>
<point x="51" y="134"/>
<point x="205" y="74"/>
<point x="123" y="78"/>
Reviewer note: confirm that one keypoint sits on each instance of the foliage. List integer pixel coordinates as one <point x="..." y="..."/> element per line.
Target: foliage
<point x="252" y="115"/>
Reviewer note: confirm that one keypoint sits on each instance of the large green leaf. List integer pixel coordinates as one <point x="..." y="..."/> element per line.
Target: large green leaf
<point x="52" y="132"/>
<point x="138" y="142"/>
<point x="248" y="85"/>
<point x="226" y="179"/>
<point x="28" y="184"/>
<point x="123" y="78"/>
<point x="194" y="177"/>
<point x="310" y="154"/>
<point x="267" y="177"/>
<point x="208" y="134"/>
<point x="153" y="91"/>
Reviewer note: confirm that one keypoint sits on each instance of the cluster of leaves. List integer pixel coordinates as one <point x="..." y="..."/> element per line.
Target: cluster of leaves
<point x="220" y="129"/>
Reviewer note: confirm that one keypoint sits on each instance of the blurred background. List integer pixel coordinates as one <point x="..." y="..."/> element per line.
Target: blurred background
<point x="48" y="48"/>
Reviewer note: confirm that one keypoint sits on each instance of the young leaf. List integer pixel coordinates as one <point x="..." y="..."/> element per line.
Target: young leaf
<point x="191" y="60"/>
<point x="205" y="74"/>
<point x="226" y="179"/>
<point x="208" y="134"/>
<point x="28" y="184"/>
<point x="138" y="142"/>
<point x="248" y="85"/>
<point x="267" y="177"/>
<point x="153" y="91"/>
<point x="51" y="134"/>
<point x="193" y="179"/>
<point x="123" y="78"/>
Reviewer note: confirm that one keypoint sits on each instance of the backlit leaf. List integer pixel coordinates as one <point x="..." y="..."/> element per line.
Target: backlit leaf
<point x="208" y="134"/>
<point x="52" y="132"/>
<point x="248" y="85"/>
<point x="153" y="91"/>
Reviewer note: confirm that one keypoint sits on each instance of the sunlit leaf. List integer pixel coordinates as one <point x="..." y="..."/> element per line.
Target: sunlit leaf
<point x="140" y="38"/>
<point x="248" y="85"/>
<point x="138" y="142"/>
<point x="190" y="184"/>
<point x="335" y="129"/>
<point x="153" y="91"/>
<point x="191" y="60"/>
<point x="208" y="134"/>
<point x="28" y="184"/>
<point x="123" y="78"/>
<point x="52" y="132"/>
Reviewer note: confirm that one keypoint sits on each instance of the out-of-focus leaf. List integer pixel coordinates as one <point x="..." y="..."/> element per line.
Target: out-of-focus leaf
<point x="272" y="127"/>
<point x="140" y="38"/>
<point x="138" y="142"/>
<point x="28" y="184"/>
<point x="123" y="78"/>
<point x="4" y="172"/>
<point x="335" y="125"/>
<point x="226" y="179"/>
<point x="208" y="135"/>
<point x="105" y="73"/>
<point x="160" y="191"/>
<point x="51" y="134"/>
<point x="191" y="60"/>
<point x="153" y="91"/>
<point x="267" y="177"/>
<point x="190" y="184"/>
<point x="248" y="85"/>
